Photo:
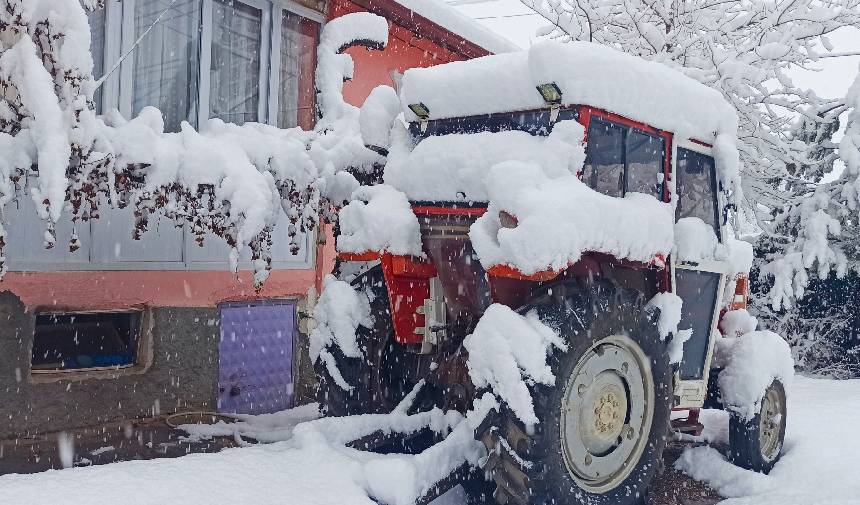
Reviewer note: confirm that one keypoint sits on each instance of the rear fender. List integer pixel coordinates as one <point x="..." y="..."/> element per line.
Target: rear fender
<point x="513" y="290"/>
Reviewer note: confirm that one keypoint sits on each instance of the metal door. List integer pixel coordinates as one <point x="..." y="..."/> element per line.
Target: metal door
<point x="256" y="357"/>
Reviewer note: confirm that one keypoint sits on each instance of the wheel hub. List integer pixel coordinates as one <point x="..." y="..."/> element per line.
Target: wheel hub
<point x="604" y="409"/>
<point x="770" y="425"/>
<point x="606" y="413"/>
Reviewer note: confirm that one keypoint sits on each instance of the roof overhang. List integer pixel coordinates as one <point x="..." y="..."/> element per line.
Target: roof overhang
<point x="412" y="21"/>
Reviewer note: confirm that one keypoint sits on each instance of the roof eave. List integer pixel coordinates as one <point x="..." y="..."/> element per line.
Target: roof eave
<point x="424" y="27"/>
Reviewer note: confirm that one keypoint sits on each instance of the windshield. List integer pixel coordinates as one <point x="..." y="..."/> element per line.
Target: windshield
<point x="697" y="188"/>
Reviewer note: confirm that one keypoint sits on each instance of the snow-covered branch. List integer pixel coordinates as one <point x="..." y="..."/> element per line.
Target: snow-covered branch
<point x="227" y="180"/>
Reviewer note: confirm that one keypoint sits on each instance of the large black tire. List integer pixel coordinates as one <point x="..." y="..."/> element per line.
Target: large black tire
<point x="535" y="471"/>
<point x="757" y="444"/>
<point x="377" y="379"/>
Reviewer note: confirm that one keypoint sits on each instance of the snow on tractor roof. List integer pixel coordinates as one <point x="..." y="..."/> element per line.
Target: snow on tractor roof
<point x="586" y="74"/>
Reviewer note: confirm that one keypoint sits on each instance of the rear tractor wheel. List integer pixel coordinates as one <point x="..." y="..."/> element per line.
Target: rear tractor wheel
<point x="603" y="426"/>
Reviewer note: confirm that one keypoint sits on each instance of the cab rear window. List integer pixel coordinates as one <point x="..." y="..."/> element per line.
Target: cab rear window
<point x="620" y="160"/>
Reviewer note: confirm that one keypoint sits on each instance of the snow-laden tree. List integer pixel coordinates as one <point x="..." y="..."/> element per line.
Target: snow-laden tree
<point x="227" y="180"/>
<point x="819" y="229"/>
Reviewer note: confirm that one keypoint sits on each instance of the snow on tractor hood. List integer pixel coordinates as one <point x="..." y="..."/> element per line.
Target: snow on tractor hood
<point x="560" y="219"/>
<point x="454" y="167"/>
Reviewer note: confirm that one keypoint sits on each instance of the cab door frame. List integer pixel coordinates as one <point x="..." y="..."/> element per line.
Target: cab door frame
<point x="691" y="393"/>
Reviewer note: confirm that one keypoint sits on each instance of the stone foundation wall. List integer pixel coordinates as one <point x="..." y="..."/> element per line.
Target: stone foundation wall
<point x="181" y="374"/>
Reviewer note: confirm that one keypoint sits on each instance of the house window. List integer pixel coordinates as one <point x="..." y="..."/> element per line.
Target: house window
<point x="97" y="47"/>
<point x="296" y="94"/>
<point x="167" y="59"/>
<point x="234" y="89"/>
<point x="84" y="341"/>
<point x="237" y="60"/>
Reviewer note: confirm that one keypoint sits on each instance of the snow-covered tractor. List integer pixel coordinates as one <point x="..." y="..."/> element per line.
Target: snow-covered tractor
<point x="553" y="226"/>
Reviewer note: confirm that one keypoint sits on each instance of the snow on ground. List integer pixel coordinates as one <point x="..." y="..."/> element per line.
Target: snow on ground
<point x="314" y="467"/>
<point x="819" y="466"/>
<point x="267" y="428"/>
<point x="820" y="459"/>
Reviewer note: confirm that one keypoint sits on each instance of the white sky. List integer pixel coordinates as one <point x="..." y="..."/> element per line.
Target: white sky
<point x="518" y="23"/>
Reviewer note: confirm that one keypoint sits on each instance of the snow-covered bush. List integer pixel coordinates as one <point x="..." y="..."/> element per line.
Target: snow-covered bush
<point x="822" y="328"/>
<point x="224" y="179"/>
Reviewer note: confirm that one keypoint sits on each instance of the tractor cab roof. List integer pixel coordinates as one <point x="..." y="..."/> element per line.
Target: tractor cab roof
<point x="584" y="74"/>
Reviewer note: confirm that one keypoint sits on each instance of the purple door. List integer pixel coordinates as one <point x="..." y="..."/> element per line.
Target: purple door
<point x="256" y="357"/>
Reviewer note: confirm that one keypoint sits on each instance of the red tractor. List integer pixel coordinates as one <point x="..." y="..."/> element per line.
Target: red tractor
<point x="605" y="422"/>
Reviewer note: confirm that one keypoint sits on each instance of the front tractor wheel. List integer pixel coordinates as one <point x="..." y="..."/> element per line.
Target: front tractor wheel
<point x="603" y="426"/>
<point x="756" y="444"/>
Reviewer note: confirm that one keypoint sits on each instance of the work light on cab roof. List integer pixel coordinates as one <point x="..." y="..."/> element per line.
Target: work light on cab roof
<point x="550" y="92"/>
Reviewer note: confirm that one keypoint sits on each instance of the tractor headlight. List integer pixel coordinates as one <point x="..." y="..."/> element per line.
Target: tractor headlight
<point x="507" y="220"/>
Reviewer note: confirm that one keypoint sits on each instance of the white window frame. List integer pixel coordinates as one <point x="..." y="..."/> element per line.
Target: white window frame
<point x="692" y="392"/>
<point x="279" y="7"/>
<point x="264" y="6"/>
<point x="120" y="38"/>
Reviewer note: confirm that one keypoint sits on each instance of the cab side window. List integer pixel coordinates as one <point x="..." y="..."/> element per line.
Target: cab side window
<point x="644" y="163"/>
<point x="697" y="188"/>
<point x="620" y="160"/>
<point x="604" y="163"/>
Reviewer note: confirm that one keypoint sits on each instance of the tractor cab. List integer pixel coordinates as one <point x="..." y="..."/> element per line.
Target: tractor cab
<point x="622" y="155"/>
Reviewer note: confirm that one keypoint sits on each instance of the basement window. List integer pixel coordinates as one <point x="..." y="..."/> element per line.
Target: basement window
<point x="85" y="341"/>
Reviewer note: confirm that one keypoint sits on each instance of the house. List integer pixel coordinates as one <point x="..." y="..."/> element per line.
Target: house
<point x="121" y="329"/>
